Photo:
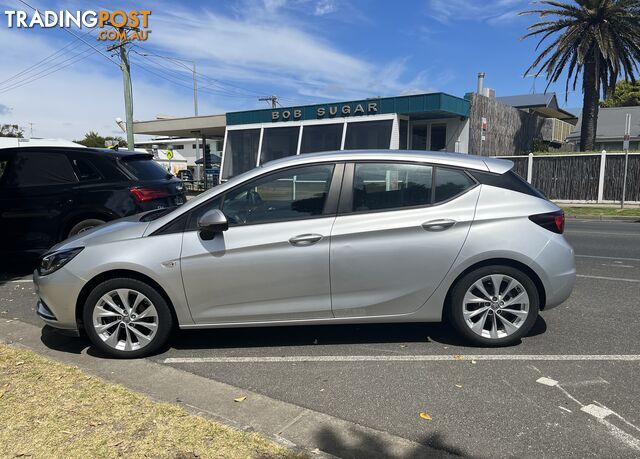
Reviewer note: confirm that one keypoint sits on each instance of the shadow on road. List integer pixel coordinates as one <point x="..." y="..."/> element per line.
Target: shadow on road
<point x="372" y="446"/>
<point x="16" y="266"/>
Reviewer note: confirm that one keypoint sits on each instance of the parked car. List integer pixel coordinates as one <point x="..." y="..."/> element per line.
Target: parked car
<point x="185" y="174"/>
<point x="49" y="193"/>
<point x="343" y="237"/>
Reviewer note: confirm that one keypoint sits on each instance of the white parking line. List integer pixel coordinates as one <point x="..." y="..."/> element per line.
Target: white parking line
<point x="404" y="358"/>
<point x="608" y="278"/>
<point x="19" y="281"/>
<point x="600" y="257"/>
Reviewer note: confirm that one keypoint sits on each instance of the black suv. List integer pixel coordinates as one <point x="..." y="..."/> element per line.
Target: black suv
<point x="48" y="194"/>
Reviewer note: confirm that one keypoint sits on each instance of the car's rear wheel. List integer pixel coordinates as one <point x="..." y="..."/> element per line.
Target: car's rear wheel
<point x="494" y="305"/>
<point x="127" y="318"/>
<point x="85" y="225"/>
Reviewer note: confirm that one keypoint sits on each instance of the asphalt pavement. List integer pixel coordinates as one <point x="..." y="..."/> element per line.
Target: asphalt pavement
<point x="568" y="389"/>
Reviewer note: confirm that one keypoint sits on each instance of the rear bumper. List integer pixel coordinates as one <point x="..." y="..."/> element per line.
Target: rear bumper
<point x="557" y="261"/>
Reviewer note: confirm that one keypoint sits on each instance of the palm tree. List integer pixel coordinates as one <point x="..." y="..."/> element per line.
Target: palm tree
<point x="599" y="39"/>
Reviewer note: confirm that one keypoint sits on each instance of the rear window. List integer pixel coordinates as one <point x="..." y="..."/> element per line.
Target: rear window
<point x="509" y="180"/>
<point x="144" y="168"/>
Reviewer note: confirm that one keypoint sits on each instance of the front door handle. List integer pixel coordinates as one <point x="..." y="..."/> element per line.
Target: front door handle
<point x="438" y="225"/>
<point x="303" y="240"/>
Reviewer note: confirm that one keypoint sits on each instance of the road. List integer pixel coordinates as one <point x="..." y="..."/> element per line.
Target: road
<point x="546" y="396"/>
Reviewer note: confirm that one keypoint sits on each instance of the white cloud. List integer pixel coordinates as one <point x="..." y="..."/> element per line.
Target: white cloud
<point x="324" y="7"/>
<point x="493" y="11"/>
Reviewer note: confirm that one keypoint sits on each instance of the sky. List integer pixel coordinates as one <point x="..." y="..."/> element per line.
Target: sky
<point x="303" y="51"/>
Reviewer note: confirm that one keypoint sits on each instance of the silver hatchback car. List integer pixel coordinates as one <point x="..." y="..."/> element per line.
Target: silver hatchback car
<point x="328" y="238"/>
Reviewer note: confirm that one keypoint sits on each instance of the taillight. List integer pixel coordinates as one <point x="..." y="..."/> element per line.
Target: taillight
<point x="141" y="194"/>
<point x="553" y="221"/>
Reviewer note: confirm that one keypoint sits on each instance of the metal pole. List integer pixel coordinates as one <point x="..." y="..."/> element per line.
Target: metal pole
<point x="128" y="99"/>
<point x="195" y="91"/>
<point x="625" y="145"/>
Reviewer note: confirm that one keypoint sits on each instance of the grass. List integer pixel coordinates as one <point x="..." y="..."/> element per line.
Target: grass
<point x="577" y="211"/>
<point x="48" y="409"/>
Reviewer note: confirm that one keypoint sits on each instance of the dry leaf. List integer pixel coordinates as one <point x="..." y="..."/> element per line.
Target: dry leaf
<point x="459" y="386"/>
<point x="473" y="361"/>
<point x="20" y="362"/>
<point x="457" y="357"/>
<point x="425" y="416"/>
<point x="240" y="399"/>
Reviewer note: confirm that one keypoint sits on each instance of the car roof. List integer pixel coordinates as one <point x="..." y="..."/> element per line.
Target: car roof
<point x="82" y="150"/>
<point x="464" y="160"/>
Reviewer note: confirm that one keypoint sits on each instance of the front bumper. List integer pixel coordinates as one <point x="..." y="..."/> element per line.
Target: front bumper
<point x="57" y="296"/>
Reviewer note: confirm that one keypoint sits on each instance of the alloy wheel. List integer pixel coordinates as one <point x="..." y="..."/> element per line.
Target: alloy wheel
<point x="495" y="306"/>
<point x="125" y="319"/>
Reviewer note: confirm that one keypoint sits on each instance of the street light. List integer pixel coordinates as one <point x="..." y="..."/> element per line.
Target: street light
<point x="180" y="62"/>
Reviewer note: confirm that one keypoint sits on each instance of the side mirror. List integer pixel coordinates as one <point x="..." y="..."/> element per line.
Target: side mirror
<point x="212" y="222"/>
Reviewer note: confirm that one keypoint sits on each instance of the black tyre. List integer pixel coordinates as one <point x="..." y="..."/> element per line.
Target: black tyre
<point x="127" y="318"/>
<point x="494" y="305"/>
<point x="85" y="225"/>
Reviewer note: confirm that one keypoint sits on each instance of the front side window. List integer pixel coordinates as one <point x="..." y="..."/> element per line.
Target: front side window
<point x="288" y="195"/>
<point x="450" y="183"/>
<point x="241" y="152"/>
<point x="379" y="186"/>
<point x="368" y="135"/>
<point x="278" y="143"/>
<point x="36" y="168"/>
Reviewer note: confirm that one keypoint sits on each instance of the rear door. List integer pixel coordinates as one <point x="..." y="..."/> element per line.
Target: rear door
<point x="36" y="195"/>
<point x="399" y="228"/>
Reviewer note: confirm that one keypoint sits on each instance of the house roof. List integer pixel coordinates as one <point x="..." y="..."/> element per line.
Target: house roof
<point x="545" y="104"/>
<point x="611" y="124"/>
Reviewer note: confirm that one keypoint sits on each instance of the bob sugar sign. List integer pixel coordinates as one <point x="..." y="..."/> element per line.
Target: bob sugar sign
<point x="326" y="111"/>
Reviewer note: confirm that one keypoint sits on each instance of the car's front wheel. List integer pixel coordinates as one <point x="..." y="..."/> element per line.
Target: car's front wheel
<point x="85" y="225"/>
<point x="127" y="318"/>
<point x="494" y="305"/>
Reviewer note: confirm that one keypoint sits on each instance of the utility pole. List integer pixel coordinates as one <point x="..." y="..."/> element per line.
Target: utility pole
<point x="272" y="99"/>
<point x="125" y="66"/>
<point x="31" y="130"/>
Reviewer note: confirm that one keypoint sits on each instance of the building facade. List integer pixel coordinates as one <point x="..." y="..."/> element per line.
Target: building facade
<point x="436" y="122"/>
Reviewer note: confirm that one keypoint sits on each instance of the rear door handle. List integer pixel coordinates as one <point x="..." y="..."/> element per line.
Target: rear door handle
<point x="303" y="240"/>
<point x="438" y="225"/>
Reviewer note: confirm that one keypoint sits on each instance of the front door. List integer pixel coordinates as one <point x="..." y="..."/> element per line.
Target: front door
<point x="273" y="261"/>
<point x="397" y="236"/>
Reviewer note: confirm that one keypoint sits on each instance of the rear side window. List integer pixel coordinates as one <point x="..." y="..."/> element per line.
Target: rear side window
<point x="379" y="186"/>
<point x="85" y="170"/>
<point x="144" y="169"/>
<point x="509" y="181"/>
<point x="35" y="168"/>
<point x="450" y="183"/>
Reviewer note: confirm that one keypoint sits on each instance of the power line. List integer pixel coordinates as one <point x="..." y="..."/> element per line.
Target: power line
<point x="77" y="37"/>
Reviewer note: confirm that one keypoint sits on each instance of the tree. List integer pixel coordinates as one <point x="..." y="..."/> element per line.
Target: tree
<point x="626" y="94"/>
<point x="93" y="139"/>
<point x="598" y="39"/>
<point x="11" y="130"/>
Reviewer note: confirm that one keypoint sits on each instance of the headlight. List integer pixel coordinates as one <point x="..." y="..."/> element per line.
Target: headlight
<point x="56" y="260"/>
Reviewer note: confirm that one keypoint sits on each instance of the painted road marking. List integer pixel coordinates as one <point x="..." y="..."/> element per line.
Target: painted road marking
<point x="19" y="281"/>
<point x="607" y="258"/>
<point x="608" y="278"/>
<point x="596" y="411"/>
<point x="547" y="381"/>
<point x="402" y="358"/>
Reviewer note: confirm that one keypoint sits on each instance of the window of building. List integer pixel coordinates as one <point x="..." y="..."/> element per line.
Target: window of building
<point x="321" y="137"/>
<point x="368" y="135"/>
<point x="404" y="134"/>
<point x="438" y="137"/>
<point x="450" y="183"/>
<point x="35" y="168"/>
<point x="241" y="151"/>
<point x="379" y="186"/>
<point x="288" y="195"/>
<point x="175" y="147"/>
<point x="84" y="170"/>
<point x="419" y="137"/>
<point x="279" y="142"/>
